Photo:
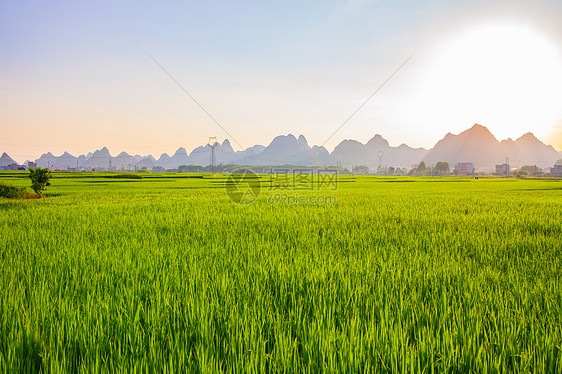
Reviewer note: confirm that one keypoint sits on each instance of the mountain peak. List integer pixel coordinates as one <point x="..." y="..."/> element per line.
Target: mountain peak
<point x="283" y="149"/>
<point x="404" y="146"/>
<point x="104" y="152"/>
<point x="180" y="151"/>
<point x="477" y="127"/>
<point x="377" y="141"/>
<point x="477" y="145"/>
<point x="284" y="139"/>
<point x="226" y="148"/>
<point x="6" y="160"/>
<point x="528" y="137"/>
<point x="479" y="131"/>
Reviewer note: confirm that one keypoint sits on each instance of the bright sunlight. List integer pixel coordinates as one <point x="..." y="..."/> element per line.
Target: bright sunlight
<point x="507" y="76"/>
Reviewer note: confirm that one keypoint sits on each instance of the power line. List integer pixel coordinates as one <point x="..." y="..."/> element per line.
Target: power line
<point x="195" y="101"/>
<point x="368" y="99"/>
<point x="213" y="144"/>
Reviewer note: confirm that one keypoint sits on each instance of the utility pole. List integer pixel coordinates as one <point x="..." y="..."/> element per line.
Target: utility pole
<point x="213" y="142"/>
<point x="380" y="155"/>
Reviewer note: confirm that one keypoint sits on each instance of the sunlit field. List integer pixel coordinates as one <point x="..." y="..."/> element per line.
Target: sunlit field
<point x="165" y="273"/>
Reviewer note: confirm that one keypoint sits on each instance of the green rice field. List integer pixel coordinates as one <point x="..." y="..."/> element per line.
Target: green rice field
<point x="166" y="274"/>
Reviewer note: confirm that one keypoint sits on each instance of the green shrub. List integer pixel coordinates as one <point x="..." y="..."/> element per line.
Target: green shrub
<point x="126" y="176"/>
<point x="12" y="192"/>
<point x="40" y="179"/>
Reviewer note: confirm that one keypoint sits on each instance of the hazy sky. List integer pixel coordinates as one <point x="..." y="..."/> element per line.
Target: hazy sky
<point x="76" y="75"/>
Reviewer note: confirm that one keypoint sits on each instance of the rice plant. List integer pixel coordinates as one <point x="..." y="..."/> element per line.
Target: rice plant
<point x="165" y="273"/>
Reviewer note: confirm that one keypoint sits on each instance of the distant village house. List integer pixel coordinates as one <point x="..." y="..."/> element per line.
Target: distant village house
<point x="465" y="168"/>
<point x="503" y="169"/>
<point x="556" y="171"/>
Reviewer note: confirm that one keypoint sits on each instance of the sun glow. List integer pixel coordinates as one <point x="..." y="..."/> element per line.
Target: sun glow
<point x="507" y="77"/>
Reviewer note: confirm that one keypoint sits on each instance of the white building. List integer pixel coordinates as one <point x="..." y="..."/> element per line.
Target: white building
<point x="503" y="169"/>
<point x="465" y="168"/>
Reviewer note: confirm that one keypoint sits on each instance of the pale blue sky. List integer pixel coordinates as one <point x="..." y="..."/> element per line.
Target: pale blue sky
<point x="75" y="75"/>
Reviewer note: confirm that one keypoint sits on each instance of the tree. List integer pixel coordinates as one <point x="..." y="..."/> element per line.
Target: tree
<point x="360" y="169"/>
<point x="533" y="170"/>
<point x="442" y="167"/>
<point x="40" y="179"/>
<point x="421" y="166"/>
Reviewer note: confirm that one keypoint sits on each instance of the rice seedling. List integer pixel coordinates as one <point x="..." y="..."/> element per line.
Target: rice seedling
<point x="165" y="273"/>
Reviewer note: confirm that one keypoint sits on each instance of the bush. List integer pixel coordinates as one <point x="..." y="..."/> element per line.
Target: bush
<point x="126" y="176"/>
<point x="11" y="192"/>
<point x="40" y="178"/>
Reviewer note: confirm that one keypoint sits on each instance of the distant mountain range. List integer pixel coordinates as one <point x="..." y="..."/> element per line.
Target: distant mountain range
<point x="476" y="145"/>
<point x="6" y="160"/>
<point x="479" y="146"/>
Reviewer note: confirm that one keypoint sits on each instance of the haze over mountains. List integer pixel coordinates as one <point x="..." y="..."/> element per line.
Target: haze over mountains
<point x="479" y="146"/>
<point x="6" y="160"/>
<point x="476" y="145"/>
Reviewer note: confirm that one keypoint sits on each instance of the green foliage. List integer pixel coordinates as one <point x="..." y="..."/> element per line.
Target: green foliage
<point x="421" y="166"/>
<point x="360" y="169"/>
<point x="12" y="192"/>
<point x="532" y="170"/>
<point x="442" y="167"/>
<point x="126" y="176"/>
<point x="40" y="179"/>
<point x="164" y="273"/>
<point x="190" y="169"/>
